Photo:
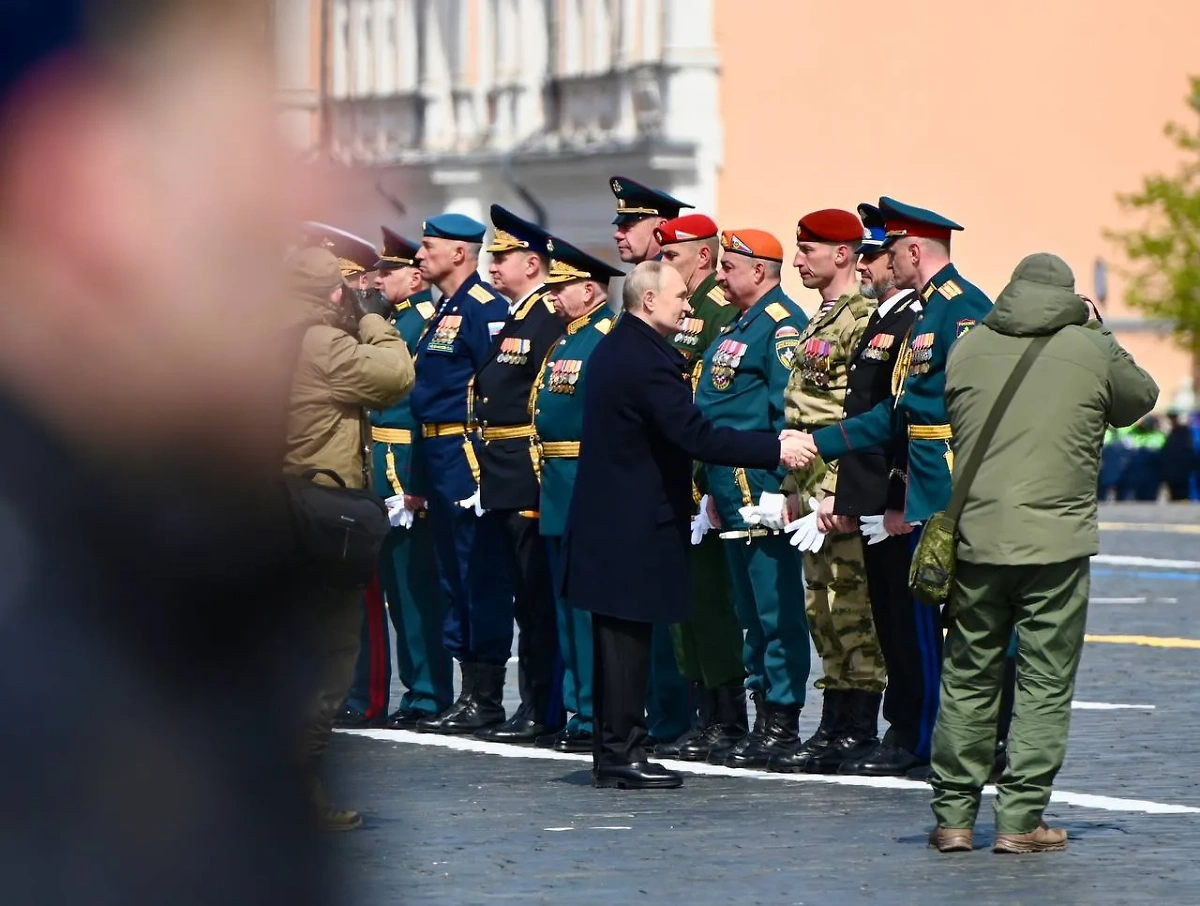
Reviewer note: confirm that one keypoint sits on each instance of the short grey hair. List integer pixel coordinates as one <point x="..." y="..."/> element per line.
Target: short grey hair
<point x="644" y="278"/>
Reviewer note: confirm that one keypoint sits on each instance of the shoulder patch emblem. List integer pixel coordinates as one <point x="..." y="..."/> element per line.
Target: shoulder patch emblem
<point x="777" y="312"/>
<point x="479" y="294"/>
<point x="787" y="330"/>
<point x="425" y="309"/>
<point x="950" y="289"/>
<point x="718" y="296"/>
<point x="604" y="326"/>
<point x="963" y="326"/>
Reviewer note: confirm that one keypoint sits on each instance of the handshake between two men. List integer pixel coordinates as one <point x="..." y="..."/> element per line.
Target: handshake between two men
<point x="796" y="448"/>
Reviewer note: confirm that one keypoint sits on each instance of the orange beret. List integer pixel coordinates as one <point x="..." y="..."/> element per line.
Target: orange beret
<point x="754" y="243"/>
<point x="685" y="229"/>
<point x="830" y="225"/>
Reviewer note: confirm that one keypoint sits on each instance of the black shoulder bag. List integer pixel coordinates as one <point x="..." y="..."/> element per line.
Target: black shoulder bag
<point x="339" y="531"/>
<point x="931" y="575"/>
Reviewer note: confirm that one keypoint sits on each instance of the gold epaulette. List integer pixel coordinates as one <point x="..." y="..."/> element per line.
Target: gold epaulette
<point x="480" y="294"/>
<point x="950" y="289"/>
<point x="718" y="295"/>
<point x="549" y="304"/>
<point x="604" y="325"/>
<point x="777" y="311"/>
<point x="425" y="309"/>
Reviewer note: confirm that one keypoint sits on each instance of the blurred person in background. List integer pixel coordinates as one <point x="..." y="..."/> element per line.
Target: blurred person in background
<point x="143" y="392"/>
<point x="1178" y="456"/>
<point x="1143" y="473"/>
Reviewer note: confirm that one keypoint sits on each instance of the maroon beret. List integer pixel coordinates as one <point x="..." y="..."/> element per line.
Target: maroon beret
<point x="830" y="225"/>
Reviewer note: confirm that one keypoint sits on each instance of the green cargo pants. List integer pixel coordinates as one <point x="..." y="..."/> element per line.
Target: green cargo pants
<point x="708" y="648"/>
<point x="1047" y="605"/>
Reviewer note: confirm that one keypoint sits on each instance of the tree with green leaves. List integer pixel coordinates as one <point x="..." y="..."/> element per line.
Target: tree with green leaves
<point x="1164" y="254"/>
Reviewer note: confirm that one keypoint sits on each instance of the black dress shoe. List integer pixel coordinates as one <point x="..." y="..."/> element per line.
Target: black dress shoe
<point x="888" y="760"/>
<point x="922" y="772"/>
<point x="353" y="719"/>
<point x="520" y="729"/>
<point x="405" y="719"/>
<point x="566" y="741"/>
<point x="642" y="775"/>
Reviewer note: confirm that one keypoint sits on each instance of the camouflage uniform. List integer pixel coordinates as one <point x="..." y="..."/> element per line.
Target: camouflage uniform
<point x="836" y="600"/>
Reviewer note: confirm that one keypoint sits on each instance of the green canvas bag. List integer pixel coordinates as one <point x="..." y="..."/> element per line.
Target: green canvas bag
<point x="931" y="575"/>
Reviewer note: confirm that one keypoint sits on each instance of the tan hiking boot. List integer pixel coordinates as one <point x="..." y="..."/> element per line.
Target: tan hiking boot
<point x="328" y="817"/>
<point x="1041" y="839"/>
<point x="951" y="839"/>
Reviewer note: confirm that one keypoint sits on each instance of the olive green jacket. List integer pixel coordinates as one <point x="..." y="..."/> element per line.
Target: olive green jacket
<point x="1033" y="500"/>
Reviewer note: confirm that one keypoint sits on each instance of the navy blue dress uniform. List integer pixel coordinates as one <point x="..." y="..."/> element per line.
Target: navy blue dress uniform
<point x="741" y="385"/>
<point x="455" y="344"/>
<point x="917" y="415"/>
<point x="415" y="601"/>
<point x="671" y="705"/>
<point x="627" y="537"/>
<point x="507" y="539"/>
<point x="868" y="484"/>
<point x="557" y="408"/>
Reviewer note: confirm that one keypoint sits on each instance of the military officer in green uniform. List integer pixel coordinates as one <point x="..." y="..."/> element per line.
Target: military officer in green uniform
<point x="641" y="211"/>
<point x="740" y="384"/>
<point x="578" y="285"/>
<point x="708" y="648"/>
<point x="414" y="599"/>
<point x="918" y="243"/>
<point x="835" y="575"/>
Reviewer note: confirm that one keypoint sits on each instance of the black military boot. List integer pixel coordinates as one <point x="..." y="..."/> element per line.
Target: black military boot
<point x="780" y="737"/>
<point x="520" y="729"/>
<point x="718" y="756"/>
<point x="707" y="727"/>
<point x="859" y="735"/>
<point x="484" y="707"/>
<point x="730" y="724"/>
<point x="888" y="759"/>
<point x="796" y="762"/>
<point x="433" y="723"/>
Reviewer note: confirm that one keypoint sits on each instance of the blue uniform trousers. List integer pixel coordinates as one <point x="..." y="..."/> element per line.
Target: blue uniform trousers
<point x="768" y="592"/>
<point x="929" y="648"/>
<point x="670" y="705"/>
<point x="509" y="579"/>
<point x="574" y="646"/>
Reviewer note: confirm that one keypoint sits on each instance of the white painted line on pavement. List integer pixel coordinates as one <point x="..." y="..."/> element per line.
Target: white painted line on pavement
<point x="1108" y="706"/>
<point x="467" y="744"/>
<point x="1122" y="560"/>
<point x="1141" y="600"/>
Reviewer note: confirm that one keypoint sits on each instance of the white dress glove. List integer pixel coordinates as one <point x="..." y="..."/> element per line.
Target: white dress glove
<point x="772" y="511"/>
<point x="700" y="522"/>
<point x="872" y="528"/>
<point x="399" y="515"/>
<point x="472" y="502"/>
<point x="807" y="536"/>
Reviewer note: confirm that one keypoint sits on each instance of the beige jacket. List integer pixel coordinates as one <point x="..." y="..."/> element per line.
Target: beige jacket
<point x="337" y="376"/>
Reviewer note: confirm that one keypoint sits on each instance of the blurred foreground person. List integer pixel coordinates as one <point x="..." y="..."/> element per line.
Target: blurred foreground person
<point x="1024" y="545"/>
<point x="143" y="390"/>
<point x="338" y="376"/>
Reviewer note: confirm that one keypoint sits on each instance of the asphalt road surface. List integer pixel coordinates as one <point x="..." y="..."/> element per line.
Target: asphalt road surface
<point x="462" y="822"/>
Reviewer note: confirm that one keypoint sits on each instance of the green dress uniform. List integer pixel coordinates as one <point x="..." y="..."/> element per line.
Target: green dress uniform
<point x="708" y="648"/>
<point x="557" y="409"/>
<point x="740" y="385"/>
<point x="414" y="599"/>
<point x="950" y="307"/>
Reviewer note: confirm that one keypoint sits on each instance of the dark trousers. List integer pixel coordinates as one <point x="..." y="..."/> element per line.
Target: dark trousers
<point x="510" y="578"/>
<point x="897" y="626"/>
<point x="621" y="659"/>
<point x="333" y="652"/>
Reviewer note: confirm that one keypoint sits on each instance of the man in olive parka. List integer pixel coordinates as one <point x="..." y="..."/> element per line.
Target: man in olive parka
<point x="1027" y="532"/>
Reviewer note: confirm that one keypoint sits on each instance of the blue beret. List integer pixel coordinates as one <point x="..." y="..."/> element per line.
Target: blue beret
<point x="31" y="31"/>
<point x="454" y="226"/>
<point x="513" y="232"/>
<point x="635" y="201"/>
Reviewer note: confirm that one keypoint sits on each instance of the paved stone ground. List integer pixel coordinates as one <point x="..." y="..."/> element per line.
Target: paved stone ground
<point x="458" y="827"/>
